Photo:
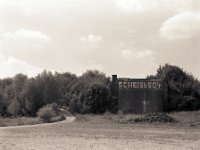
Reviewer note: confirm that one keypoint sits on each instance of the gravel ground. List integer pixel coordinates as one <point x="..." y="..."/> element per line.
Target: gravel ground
<point x="99" y="134"/>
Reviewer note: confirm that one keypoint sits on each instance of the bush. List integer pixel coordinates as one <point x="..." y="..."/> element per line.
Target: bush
<point x="189" y="103"/>
<point x="46" y="113"/>
<point x="95" y="99"/>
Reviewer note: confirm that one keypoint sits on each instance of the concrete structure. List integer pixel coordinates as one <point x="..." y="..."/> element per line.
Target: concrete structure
<point x="138" y="95"/>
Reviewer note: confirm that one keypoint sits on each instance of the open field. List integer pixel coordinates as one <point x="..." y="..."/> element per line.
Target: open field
<point x="96" y="132"/>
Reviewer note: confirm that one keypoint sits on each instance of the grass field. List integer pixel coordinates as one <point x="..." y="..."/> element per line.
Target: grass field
<point x="19" y="121"/>
<point x="90" y="132"/>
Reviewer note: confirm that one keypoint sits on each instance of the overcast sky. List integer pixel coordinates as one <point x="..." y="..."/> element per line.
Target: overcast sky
<point x="130" y="38"/>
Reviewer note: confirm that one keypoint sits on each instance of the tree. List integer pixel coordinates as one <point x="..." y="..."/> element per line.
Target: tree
<point x="92" y="92"/>
<point x="14" y="108"/>
<point x="96" y="99"/>
<point x="180" y="85"/>
<point x="89" y="93"/>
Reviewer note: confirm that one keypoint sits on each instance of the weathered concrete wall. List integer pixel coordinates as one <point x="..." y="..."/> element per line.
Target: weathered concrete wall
<point x="138" y="95"/>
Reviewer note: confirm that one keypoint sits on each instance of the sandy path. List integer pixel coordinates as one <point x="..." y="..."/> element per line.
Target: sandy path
<point x="95" y="135"/>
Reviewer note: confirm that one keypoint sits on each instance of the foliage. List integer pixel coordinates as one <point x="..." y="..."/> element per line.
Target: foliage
<point x="14" y="108"/>
<point x="88" y="93"/>
<point x="46" y="113"/>
<point x="91" y="93"/>
<point x="75" y="105"/>
<point x="95" y="99"/>
<point x="183" y="89"/>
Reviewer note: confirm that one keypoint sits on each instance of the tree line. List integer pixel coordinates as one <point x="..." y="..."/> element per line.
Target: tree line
<point x="88" y="93"/>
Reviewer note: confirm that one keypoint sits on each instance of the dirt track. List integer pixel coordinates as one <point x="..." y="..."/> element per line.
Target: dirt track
<point x="98" y="134"/>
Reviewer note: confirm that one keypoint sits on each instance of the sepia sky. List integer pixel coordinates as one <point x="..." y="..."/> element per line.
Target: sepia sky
<point x="130" y="38"/>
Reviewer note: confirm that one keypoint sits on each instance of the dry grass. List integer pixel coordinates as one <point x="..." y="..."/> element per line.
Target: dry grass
<point x="184" y="119"/>
<point x="19" y="121"/>
<point x="187" y="118"/>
